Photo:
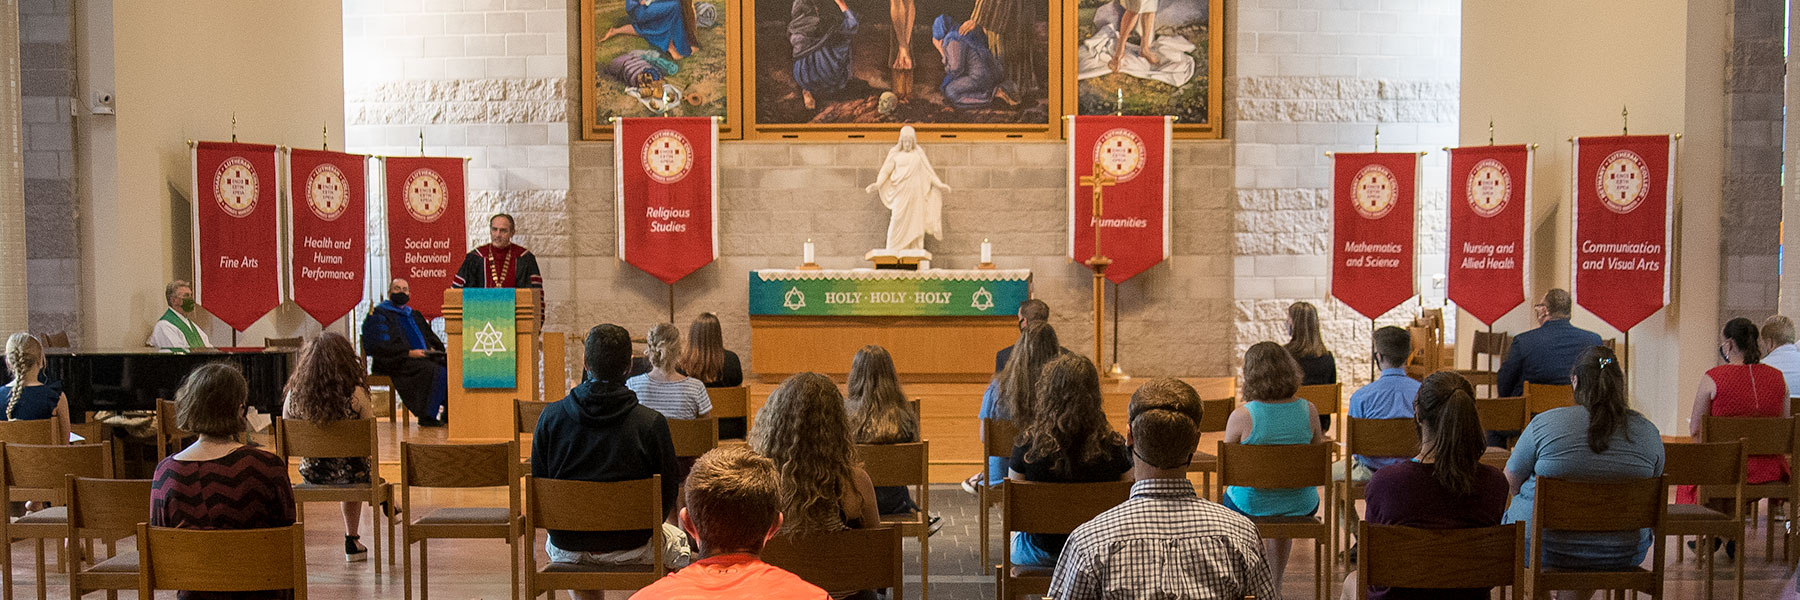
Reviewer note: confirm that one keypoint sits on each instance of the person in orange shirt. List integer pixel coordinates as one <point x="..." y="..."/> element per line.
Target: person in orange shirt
<point x="733" y="508"/>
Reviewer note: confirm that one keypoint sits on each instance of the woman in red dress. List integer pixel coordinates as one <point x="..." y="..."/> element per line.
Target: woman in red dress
<point x="1742" y="387"/>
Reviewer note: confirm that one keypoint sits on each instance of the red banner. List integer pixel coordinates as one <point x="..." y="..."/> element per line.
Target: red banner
<point x="1129" y="158"/>
<point x="668" y="193"/>
<point x="426" y="231"/>
<point x="326" y="200"/>
<point x="1624" y="225"/>
<point x="1490" y="200"/>
<point x="237" y="232"/>
<point x="1373" y="195"/>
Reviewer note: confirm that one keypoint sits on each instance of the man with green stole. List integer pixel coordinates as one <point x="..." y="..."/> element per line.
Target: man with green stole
<point x="175" y="331"/>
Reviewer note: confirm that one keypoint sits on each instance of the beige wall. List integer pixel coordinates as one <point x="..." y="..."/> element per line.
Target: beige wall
<point x="180" y="69"/>
<point x="1545" y="70"/>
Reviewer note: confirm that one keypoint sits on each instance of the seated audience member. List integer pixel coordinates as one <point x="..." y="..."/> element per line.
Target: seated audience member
<point x="217" y="482"/>
<point x="1306" y="343"/>
<point x="1066" y="439"/>
<point x="706" y="359"/>
<point x="1271" y="415"/>
<point x="27" y="397"/>
<point x="880" y="414"/>
<point x="1543" y="355"/>
<point x="1009" y="394"/>
<point x="1165" y="541"/>
<point x="599" y="432"/>
<point x="405" y="349"/>
<point x="1777" y="341"/>
<point x="733" y="508"/>
<point x="1445" y="486"/>
<point x="804" y="430"/>
<point x="1031" y="312"/>
<point x="664" y="388"/>
<point x="175" y="330"/>
<point x="326" y="386"/>
<point x="1599" y="438"/>
<point x="1742" y="387"/>
<point x="1388" y="397"/>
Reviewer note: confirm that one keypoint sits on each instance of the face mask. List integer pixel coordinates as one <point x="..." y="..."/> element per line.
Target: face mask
<point x="399" y="298"/>
<point x="187" y="305"/>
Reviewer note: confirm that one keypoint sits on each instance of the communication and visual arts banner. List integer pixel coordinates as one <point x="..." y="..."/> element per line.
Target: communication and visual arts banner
<point x="327" y="201"/>
<point x="668" y="193"/>
<point x="237" y="231"/>
<point x="1372" y="197"/>
<point x="1624" y="226"/>
<point x="1129" y="158"/>
<point x="426" y="231"/>
<point x="1490" y="201"/>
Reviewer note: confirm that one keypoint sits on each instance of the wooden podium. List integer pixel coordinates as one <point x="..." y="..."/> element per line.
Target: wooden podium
<point x="486" y="415"/>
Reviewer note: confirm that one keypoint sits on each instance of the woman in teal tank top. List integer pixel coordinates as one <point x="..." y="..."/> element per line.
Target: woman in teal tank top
<point x="1272" y="416"/>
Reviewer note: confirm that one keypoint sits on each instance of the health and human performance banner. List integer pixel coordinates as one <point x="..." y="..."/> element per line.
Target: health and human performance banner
<point x="237" y="231"/>
<point x="1372" y="197"/>
<point x="1128" y="159"/>
<point x="935" y="293"/>
<point x="426" y="231"/>
<point x="1624" y="226"/>
<point x="1490" y="200"/>
<point x="325" y="231"/>
<point x="668" y="193"/>
<point x="490" y="354"/>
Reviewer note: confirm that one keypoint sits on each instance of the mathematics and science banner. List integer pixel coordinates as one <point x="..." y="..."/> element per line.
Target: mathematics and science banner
<point x="326" y="207"/>
<point x="490" y="354"/>
<point x="1128" y="157"/>
<point x="237" y="231"/>
<point x="935" y="293"/>
<point x="1490" y="200"/>
<point x="1624" y="226"/>
<point x="426" y="231"/>
<point x="1372" y="197"/>
<point x="668" y="193"/>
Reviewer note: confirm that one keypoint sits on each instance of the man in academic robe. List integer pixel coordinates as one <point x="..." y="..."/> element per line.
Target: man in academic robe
<point x="406" y="350"/>
<point x="175" y="331"/>
<point x="499" y="263"/>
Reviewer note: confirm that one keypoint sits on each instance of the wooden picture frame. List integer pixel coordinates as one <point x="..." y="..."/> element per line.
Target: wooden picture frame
<point x="1145" y="95"/>
<point x="707" y="80"/>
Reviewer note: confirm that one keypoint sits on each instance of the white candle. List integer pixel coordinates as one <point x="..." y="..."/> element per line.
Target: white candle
<point x="806" y="253"/>
<point x="987" y="252"/>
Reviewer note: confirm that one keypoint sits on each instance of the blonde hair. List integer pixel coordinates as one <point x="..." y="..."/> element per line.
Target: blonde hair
<point x="803" y="429"/>
<point x="664" y="346"/>
<point x="879" y="413"/>
<point x="23" y="353"/>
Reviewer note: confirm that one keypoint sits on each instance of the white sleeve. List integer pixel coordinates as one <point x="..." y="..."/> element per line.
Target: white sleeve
<point x="164" y="335"/>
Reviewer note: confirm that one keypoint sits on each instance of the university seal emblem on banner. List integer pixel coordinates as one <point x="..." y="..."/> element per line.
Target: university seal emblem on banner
<point x="667" y="200"/>
<point x="1376" y="191"/>
<point x="326" y="231"/>
<point x="235" y="185"/>
<point x="1488" y="186"/>
<point x="1621" y="181"/>
<point x="1120" y="153"/>
<point x="1373" y="196"/>
<point x="1624" y="226"/>
<point x="667" y="156"/>
<point x="325" y="192"/>
<point x="1128" y="156"/>
<point x="425" y="195"/>
<point x="238" y="267"/>
<point x="1487" y="240"/>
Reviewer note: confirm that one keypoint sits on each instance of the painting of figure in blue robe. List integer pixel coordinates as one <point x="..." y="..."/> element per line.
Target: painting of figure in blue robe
<point x="658" y="58"/>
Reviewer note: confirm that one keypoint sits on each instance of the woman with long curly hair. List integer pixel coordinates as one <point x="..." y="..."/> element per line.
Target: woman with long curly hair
<point x="327" y="385"/>
<point x="880" y="414"/>
<point x="1066" y="440"/>
<point x="803" y="429"/>
<point x="1009" y="396"/>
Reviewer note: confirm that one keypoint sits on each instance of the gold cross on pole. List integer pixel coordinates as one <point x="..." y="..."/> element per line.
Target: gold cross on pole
<point x="1099" y="181"/>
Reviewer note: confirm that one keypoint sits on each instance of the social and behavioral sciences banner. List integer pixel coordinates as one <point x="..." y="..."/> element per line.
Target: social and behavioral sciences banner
<point x="326" y="196"/>
<point x="1372" y="196"/>
<point x="935" y="293"/>
<point x="1129" y="157"/>
<point x="426" y="231"/>
<point x="490" y="354"/>
<point x="237" y="231"/>
<point x="1624" y="225"/>
<point x="668" y="193"/>
<point x="1490" y="200"/>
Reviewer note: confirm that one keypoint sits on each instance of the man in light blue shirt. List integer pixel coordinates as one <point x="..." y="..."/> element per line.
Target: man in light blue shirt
<point x="1777" y="339"/>
<point x="1388" y="397"/>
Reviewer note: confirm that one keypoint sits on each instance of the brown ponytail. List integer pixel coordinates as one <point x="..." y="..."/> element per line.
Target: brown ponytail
<point x="1600" y="387"/>
<point x="1450" y="430"/>
<point x="23" y="353"/>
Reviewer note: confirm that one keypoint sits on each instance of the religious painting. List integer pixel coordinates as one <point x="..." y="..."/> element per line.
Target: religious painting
<point x="841" y="66"/>
<point x="659" y="58"/>
<point x="1166" y="62"/>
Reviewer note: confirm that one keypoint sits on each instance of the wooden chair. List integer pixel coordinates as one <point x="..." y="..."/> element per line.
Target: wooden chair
<point x="1378" y="438"/>
<point x="1213" y="415"/>
<point x="1717" y="467"/>
<point x="1586" y="506"/>
<point x="299" y="438"/>
<point x="108" y="510"/>
<point x="996" y="440"/>
<point x="168" y="437"/>
<point x="36" y="432"/>
<point x="57" y="339"/>
<point x="905" y="465"/>
<point x="1540" y="397"/>
<point x="459" y="466"/>
<point x="730" y="403"/>
<point x="283" y="342"/>
<point x="842" y="561"/>
<point x="394" y="405"/>
<point x="693" y="437"/>
<point x="222" y="560"/>
<point x="40" y="473"/>
<point x="571" y="506"/>
<point x="1046" y="508"/>
<point x="525" y="418"/>
<point x="1326" y="397"/>
<point x="1292" y="466"/>
<point x="1501" y="414"/>
<point x="1764" y="436"/>
<point x="1395" y="556"/>
<point x="1493" y="345"/>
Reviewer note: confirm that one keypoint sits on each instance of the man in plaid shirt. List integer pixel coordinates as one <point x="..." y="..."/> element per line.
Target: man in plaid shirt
<point x="1164" y="542"/>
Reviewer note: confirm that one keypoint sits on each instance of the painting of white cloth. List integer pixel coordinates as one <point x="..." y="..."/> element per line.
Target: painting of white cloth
<point x="1176" y="67"/>
<point x="1147" y="57"/>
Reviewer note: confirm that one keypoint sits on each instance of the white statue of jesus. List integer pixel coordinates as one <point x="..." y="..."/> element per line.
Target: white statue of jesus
<point x="909" y="187"/>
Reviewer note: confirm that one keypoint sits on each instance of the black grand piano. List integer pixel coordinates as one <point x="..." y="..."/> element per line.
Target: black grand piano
<point x="134" y="378"/>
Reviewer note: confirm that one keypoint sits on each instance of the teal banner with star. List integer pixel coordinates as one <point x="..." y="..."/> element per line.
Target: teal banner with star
<point x="938" y="293"/>
<point x="490" y="355"/>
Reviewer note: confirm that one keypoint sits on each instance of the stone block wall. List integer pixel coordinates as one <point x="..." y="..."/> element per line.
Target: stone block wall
<point x="1749" y="280"/>
<point x="52" y="251"/>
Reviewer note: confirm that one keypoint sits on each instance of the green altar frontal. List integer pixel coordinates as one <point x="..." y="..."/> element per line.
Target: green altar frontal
<point x="868" y="292"/>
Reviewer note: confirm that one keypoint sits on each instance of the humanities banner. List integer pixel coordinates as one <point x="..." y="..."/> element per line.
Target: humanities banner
<point x="944" y="292"/>
<point x="490" y="354"/>
<point x="426" y="231"/>
<point x="1372" y="196"/>
<point x="1128" y="159"/>
<point x="1490" y="199"/>
<point x="237" y="231"/>
<point x="326" y="200"/>
<point x="668" y="193"/>
<point x="1624" y="225"/>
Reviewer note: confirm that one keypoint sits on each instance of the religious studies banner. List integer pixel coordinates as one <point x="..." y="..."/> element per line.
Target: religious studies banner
<point x="1624" y="225"/>
<point x="237" y="231"/>
<point x="1128" y="158"/>
<point x="1372" y="196"/>
<point x="426" y="231"/>
<point x="1490" y="199"/>
<point x="668" y="193"/>
<point x="326" y="201"/>
<point x="490" y="355"/>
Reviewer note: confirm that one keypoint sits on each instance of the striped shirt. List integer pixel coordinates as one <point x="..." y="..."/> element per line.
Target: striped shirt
<point x="685" y="399"/>
<point x="1163" y="542"/>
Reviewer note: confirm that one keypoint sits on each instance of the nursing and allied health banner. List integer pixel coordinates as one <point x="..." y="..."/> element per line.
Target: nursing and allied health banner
<point x="1128" y="159"/>
<point x="426" y="230"/>
<point x="1490" y="200"/>
<point x="490" y="353"/>
<point x="1372" y="197"/>
<point x="1624" y="226"/>
<point x="325" y="231"/>
<point x="864" y="292"/>
<point x="668" y="193"/>
<point x="237" y="231"/>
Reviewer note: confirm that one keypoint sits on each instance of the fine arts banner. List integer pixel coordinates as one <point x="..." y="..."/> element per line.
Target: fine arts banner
<point x="1624" y="214"/>
<point x="1490" y="199"/>
<point x="943" y="292"/>
<point x="1372" y="197"/>
<point x="426" y="231"/>
<point x="237" y="248"/>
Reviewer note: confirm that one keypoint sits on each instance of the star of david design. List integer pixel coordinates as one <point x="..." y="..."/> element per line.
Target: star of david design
<point x="487" y="341"/>
<point x="794" y="299"/>
<point x="982" y="300"/>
